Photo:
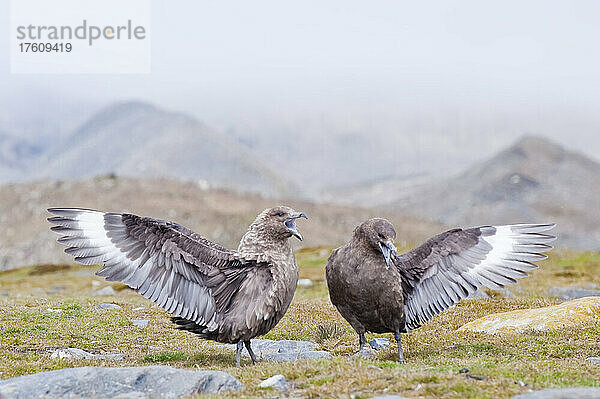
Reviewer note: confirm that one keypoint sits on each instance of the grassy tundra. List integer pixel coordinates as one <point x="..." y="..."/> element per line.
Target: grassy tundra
<point x="42" y="307"/>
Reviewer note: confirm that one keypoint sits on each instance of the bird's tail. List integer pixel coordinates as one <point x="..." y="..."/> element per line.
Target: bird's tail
<point x="188" y="325"/>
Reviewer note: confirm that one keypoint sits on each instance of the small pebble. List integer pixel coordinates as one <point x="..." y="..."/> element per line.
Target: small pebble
<point x="379" y="343"/>
<point x="139" y="323"/>
<point x="104" y="291"/>
<point x="479" y="294"/>
<point x="305" y="282"/>
<point x="366" y="353"/>
<point x="595" y="360"/>
<point x="108" y="306"/>
<point x="277" y="381"/>
<point x="76" y="353"/>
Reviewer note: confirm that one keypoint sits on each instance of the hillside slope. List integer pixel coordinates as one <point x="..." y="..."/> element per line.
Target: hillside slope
<point x="219" y="215"/>
<point x="139" y="140"/>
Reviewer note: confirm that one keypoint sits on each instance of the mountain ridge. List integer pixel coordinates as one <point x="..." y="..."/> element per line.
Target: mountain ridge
<point x="533" y="180"/>
<point x="138" y="139"/>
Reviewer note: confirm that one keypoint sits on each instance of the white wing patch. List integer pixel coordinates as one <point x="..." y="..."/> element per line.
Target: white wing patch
<point x="94" y="237"/>
<point x="502" y="255"/>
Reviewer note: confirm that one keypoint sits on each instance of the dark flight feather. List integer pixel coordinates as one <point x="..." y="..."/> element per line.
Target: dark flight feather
<point x="452" y="265"/>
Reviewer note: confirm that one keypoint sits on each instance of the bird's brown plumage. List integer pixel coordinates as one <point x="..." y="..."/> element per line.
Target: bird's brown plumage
<point x="223" y="295"/>
<point x="379" y="291"/>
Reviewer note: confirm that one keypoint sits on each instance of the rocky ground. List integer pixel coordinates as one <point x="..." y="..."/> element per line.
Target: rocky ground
<point x="57" y="317"/>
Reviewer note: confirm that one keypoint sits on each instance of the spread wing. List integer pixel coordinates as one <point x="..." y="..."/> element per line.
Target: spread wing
<point x="452" y="265"/>
<point x="182" y="272"/>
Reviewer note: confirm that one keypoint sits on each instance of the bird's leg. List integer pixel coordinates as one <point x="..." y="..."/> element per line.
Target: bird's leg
<point x="399" y="342"/>
<point x="238" y="353"/>
<point x="250" y="351"/>
<point x="361" y="341"/>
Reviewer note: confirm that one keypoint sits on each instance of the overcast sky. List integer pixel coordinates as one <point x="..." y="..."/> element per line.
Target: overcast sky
<point x="487" y="70"/>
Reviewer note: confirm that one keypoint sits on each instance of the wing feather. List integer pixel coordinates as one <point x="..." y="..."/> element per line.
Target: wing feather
<point x="452" y="265"/>
<point x="169" y="264"/>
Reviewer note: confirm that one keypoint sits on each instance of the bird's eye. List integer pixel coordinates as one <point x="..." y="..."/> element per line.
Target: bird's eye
<point x="280" y="214"/>
<point x="381" y="236"/>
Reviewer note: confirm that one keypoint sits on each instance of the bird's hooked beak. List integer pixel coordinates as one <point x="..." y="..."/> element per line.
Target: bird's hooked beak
<point x="290" y="223"/>
<point x="387" y="249"/>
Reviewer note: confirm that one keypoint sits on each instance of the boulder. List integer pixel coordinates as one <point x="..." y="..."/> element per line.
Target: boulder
<point x="562" y="393"/>
<point x="106" y="382"/>
<point x="567" y="314"/>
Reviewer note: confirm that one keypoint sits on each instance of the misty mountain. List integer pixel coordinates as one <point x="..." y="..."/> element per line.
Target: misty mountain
<point x="534" y="180"/>
<point x="325" y="153"/>
<point x="15" y="154"/>
<point x="41" y="116"/>
<point x="140" y="140"/>
<point x="14" y="151"/>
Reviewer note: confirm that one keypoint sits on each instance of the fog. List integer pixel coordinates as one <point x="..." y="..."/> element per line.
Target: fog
<point x="447" y="83"/>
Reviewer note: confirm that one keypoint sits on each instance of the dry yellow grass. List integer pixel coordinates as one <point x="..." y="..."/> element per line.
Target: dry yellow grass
<point x="499" y="366"/>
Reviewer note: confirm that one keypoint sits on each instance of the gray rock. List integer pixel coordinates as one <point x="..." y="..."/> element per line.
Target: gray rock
<point x="479" y="294"/>
<point x="277" y="381"/>
<point x="305" y="282"/>
<point x="284" y="350"/>
<point x="379" y="343"/>
<point x="108" y="306"/>
<point x="506" y="292"/>
<point x="562" y="393"/>
<point x="55" y="289"/>
<point x="75" y="353"/>
<point x="595" y="360"/>
<point x="104" y="291"/>
<point x="139" y="323"/>
<point x="129" y="382"/>
<point x="366" y="353"/>
<point x="568" y="293"/>
<point x="84" y="273"/>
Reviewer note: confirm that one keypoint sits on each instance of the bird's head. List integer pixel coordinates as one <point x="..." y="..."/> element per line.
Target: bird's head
<point x="379" y="234"/>
<point x="279" y="222"/>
